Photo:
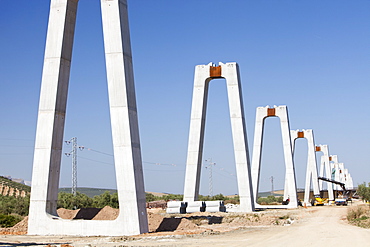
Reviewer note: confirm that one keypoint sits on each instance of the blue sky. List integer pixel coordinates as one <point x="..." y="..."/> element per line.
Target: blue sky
<point x="312" y="56"/>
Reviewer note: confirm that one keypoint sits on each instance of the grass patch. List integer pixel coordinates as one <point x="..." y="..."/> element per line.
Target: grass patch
<point x="359" y="216"/>
<point x="285" y="217"/>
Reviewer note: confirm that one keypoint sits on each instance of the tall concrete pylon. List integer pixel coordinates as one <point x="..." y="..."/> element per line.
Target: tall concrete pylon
<point x="132" y="218"/>
<point x="325" y="168"/>
<point x="261" y="114"/>
<point x="203" y="75"/>
<point x="341" y="172"/>
<point x="334" y="165"/>
<point x="311" y="169"/>
<point x="349" y="181"/>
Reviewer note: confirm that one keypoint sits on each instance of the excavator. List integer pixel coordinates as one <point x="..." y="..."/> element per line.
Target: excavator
<point x="318" y="201"/>
<point x="343" y="199"/>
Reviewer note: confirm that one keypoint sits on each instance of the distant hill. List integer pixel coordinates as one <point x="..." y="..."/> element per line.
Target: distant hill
<point x="266" y="194"/>
<point x="12" y="188"/>
<point x="90" y="192"/>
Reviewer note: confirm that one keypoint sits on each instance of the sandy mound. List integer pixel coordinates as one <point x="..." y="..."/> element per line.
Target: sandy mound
<point x="154" y="220"/>
<point x="107" y="213"/>
<point x="67" y="214"/>
<point x="176" y="224"/>
<point x="186" y="224"/>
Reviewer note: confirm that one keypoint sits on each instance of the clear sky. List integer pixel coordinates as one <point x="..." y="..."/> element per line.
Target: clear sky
<point x="313" y="56"/>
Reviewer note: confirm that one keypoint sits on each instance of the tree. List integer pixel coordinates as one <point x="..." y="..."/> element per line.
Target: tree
<point x="106" y="199"/>
<point x="364" y="192"/>
<point x="149" y="197"/>
<point x="14" y="205"/>
<point x="69" y="201"/>
<point x="171" y="197"/>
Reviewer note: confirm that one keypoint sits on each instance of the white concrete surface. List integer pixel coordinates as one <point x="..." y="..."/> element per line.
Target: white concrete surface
<point x="132" y="218"/>
<point x="336" y="175"/>
<point x="341" y="173"/>
<point x="325" y="170"/>
<point x="349" y="181"/>
<point x="290" y="181"/>
<point x="203" y="75"/>
<point x="333" y="167"/>
<point x="311" y="168"/>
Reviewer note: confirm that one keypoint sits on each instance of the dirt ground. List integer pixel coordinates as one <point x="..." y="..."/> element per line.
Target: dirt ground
<point x="298" y="227"/>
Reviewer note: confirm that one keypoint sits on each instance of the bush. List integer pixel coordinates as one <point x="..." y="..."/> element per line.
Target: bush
<point x="218" y="197"/>
<point x="233" y="200"/>
<point x="149" y="197"/>
<point x="16" y="205"/>
<point x="176" y="197"/>
<point x="355" y="212"/>
<point x="69" y="201"/>
<point x="359" y="216"/>
<point x="270" y="200"/>
<point x="9" y="220"/>
<point x="106" y="199"/>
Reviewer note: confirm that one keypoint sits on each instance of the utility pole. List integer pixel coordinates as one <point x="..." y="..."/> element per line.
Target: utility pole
<point x="73" y="152"/>
<point x="209" y="167"/>
<point x="272" y="185"/>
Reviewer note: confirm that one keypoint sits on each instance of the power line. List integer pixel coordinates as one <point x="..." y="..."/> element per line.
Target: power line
<point x="96" y="151"/>
<point x="18" y="146"/>
<point x="17" y="139"/>
<point x="97" y="161"/>
<point x="209" y="166"/>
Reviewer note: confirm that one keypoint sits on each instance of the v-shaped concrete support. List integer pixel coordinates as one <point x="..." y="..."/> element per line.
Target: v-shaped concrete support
<point x="203" y="75"/>
<point x="311" y="168"/>
<point x="132" y="218"/>
<point x="325" y="166"/>
<point x="261" y="114"/>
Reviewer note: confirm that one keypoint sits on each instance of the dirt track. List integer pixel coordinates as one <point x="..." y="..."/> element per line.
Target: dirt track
<point x="316" y="225"/>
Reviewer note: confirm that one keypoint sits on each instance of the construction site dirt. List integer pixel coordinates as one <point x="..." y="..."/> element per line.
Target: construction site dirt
<point x="293" y="227"/>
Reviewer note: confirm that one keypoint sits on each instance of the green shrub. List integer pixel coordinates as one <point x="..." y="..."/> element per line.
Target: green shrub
<point x="270" y="200"/>
<point x="69" y="201"/>
<point x="106" y="199"/>
<point x="359" y="216"/>
<point x="16" y="205"/>
<point x="355" y="212"/>
<point x="364" y="192"/>
<point x="9" y="220"/>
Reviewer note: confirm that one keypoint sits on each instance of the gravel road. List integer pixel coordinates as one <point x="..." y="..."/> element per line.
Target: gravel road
<point x="314" y="226"/>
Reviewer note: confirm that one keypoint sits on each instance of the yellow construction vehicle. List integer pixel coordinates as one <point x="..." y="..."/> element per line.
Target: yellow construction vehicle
<point x="318" y="201"/>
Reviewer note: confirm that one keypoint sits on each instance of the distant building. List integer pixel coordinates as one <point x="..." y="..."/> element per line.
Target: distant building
<point x="18" y="180"/>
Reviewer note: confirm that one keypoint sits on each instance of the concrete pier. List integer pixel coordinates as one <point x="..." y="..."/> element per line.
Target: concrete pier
<point x="311" y="168"/>
<point x="132" y="218"/>
<point x="290" y="181"/>
<point x="325" y="169"/>
<point x="203" y="75"/>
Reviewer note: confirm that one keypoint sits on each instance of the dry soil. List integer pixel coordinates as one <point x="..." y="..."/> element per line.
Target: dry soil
<point x="299" y="227"/>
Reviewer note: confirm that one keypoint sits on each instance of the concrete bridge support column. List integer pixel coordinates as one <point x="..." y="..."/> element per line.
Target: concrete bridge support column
<point x="132" y="218"/>
<point x="203" y="75"/>
<point x="325" y="165"/>
<point x="290" y="180"/>
<point x="311" y="169"/>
